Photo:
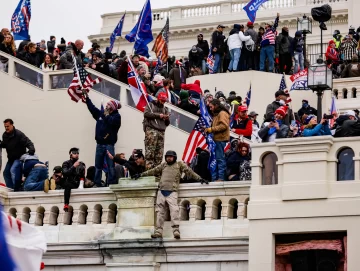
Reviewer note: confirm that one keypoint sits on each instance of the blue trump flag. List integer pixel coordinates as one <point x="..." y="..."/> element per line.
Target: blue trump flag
<point x="252" y="7"/>
<point x="141" y="34"/>
<point x="20" y="20"/>
<point x="209" y="137"/>
<point x="117" y="32"/>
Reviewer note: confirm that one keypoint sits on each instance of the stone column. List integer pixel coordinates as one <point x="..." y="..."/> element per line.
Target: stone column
<point x="136" y="208"/>
<point x="353" y="11"/>
<point x="105" y="215"/>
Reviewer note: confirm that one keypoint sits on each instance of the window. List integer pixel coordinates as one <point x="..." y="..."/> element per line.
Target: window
<point x="345" y="165"/>
<point x="270" y="169"/>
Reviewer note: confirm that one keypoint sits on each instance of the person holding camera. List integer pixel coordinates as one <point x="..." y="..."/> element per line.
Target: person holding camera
<point x="135" y="165"/>
<point x="156" y="120"/>
<point x="276" y="128"/>
<point x="108" y="123"/>
<point x="170" y="172"/>
<point x="348" y="48"/>
<point x="312" y="128"/>
<point x="74" y="175"/>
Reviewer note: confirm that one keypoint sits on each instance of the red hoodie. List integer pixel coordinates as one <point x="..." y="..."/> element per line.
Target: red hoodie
<point x="194" y="87"/>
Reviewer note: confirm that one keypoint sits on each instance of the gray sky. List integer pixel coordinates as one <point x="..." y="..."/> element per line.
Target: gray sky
<point x="73" y="19"/>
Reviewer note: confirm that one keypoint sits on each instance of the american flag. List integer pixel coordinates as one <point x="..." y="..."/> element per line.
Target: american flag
<point x="77" y="86"/>
<point x="20" y="20"/>
<point x="284" y="88"/>
<point x="197" y="139"/>
<point x="161" y="43"/>
<point x="247" y="98"/>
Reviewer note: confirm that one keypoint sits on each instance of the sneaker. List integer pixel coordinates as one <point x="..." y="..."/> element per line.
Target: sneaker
<point x="156" y="235"/>
<point x="81" y="185"/>
<point x="176" y="234"/>
<point x="66" y="208"/>
<point x="46" y="185"/>
<point x="52" y="184"/>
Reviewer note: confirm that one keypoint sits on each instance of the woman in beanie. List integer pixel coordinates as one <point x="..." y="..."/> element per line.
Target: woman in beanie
<point x="312" y="128"/>
<point x="276" y="128"/>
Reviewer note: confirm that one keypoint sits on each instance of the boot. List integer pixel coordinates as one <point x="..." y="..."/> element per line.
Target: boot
<point x="46" y="185"/>
<point x="176" y="233"/>
<point x="156" y="234"/>
<point x="81" y="185"/>
<point x="66" y="208"/>
<point x="52" y="184"/>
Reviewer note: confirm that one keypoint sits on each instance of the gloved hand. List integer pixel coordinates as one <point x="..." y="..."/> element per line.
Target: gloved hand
<point x="204" y="181"/>
<point x="136" y="176"/>
<point x="31" y="152"/>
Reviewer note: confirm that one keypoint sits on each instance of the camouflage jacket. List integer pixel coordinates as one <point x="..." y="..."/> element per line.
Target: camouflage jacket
<point x="171" y="175"/>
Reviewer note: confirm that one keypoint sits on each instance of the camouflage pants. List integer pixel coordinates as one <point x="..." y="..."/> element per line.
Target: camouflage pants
<point x="161" y="209"/>
<point x="154" y="147"/>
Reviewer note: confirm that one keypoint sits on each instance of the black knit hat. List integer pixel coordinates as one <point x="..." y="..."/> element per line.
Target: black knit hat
<point x="57" y="169"/>
<point x="74" y="150"/>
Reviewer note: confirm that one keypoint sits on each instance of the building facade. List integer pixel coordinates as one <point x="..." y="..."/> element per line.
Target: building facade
<point x="186" y="22"/>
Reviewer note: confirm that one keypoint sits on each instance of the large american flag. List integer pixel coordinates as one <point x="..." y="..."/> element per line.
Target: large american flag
<point x="161" y="43"/>
<point x="197" y="139"/>
<point x="77" y="85"/>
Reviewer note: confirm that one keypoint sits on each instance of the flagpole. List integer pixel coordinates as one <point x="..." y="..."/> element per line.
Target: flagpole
<point x="292" y="111"/>
<point x="77" y="70"/>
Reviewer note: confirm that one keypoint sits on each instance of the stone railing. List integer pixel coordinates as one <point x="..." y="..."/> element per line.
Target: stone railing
<point x="126" y="211"/>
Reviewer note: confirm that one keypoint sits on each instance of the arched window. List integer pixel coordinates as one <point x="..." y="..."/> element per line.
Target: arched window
<point x="185" y="210"/>
<point x="112" y="213"/>
<point x="270" y="169"/>
<point x="345" y="165"/>
<point x="200" y="212"/>
<point x="233" y="209"/>
<point x="216" y="209"/>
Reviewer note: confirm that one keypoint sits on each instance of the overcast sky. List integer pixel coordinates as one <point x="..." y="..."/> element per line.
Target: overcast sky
<point x="74" y="19"/>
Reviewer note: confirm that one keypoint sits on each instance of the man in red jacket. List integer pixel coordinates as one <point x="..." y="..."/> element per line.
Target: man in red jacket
<point x="242" y="124"/>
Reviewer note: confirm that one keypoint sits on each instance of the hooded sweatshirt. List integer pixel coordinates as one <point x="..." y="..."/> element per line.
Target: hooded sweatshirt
<point x="236" y="38"/>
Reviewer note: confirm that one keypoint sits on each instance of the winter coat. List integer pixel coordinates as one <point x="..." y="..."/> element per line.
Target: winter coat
<point x="194" y="87"/>
<point x="107" y="127"/>
<point x="171" y="175"/>
<point x="252" y="33"/>
<point x="318" y="130"/>
<point x="22" y="45"/>
<point x="297" y="46"/>
<point x="236" y="39"/>
<point x="152" y="117"/>
<point x="195" y="59"/>
<point x="204" y="46"/>
<point x="188" y="107"/>
<point x="66" y="60"/>
<point x="220" y="126"/>
<point x="34" y="59"/>
<point x="282" y="133"/>
<point x="243" y="127"/>
<point x="283" y="44"/>
<point x="175" y="76"/>
<point x="16" y="144"/>
<point x="71" y="176"/>
<point x="51" y="46"/>
<point x="102" y="67"/>
<point x="218" y="42"/>
<point x="233" y="163"/>
<point x="8" y="50"/>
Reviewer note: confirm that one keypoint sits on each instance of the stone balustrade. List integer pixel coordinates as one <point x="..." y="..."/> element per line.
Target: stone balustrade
<point x="126" y="211"/>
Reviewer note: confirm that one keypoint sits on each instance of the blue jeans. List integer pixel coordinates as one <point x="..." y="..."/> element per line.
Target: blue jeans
<point x="217" y="63"/>
<point x="267" y="52"/>
<point x="235" y="57"/>
<point x="100" y="155"/>
<point x="12" y="174"/>
<point x="203" y="66"/>
<point x="299" y="60"/>
<point x="35" y="180"/>
<point x="220" y="161"/>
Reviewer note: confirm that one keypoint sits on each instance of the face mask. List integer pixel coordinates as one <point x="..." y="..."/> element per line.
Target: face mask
<point x="305" y="105"/>
<point x="282" y="102"/>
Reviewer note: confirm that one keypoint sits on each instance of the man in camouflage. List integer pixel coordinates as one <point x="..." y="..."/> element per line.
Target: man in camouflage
<point x="170" y="172"/>
<point x="156" y="119"/>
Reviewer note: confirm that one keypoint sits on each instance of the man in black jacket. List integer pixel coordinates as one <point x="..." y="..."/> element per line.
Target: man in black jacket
<point x="108" y="123"/>
<point x="204" y="46"/>
<point x="15" y="142"/>
<point x="135" y="165"/>
<point x="280" y="100"/>
<point x="306" y="109"/>
<point x="98" y="64"/>
<point x="74" y="175"/>
<point x="51" y="44"/>
<point x="218" y="46"/>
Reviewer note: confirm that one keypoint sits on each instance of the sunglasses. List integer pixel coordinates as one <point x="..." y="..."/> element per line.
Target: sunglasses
<point x="75" y="152"/>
